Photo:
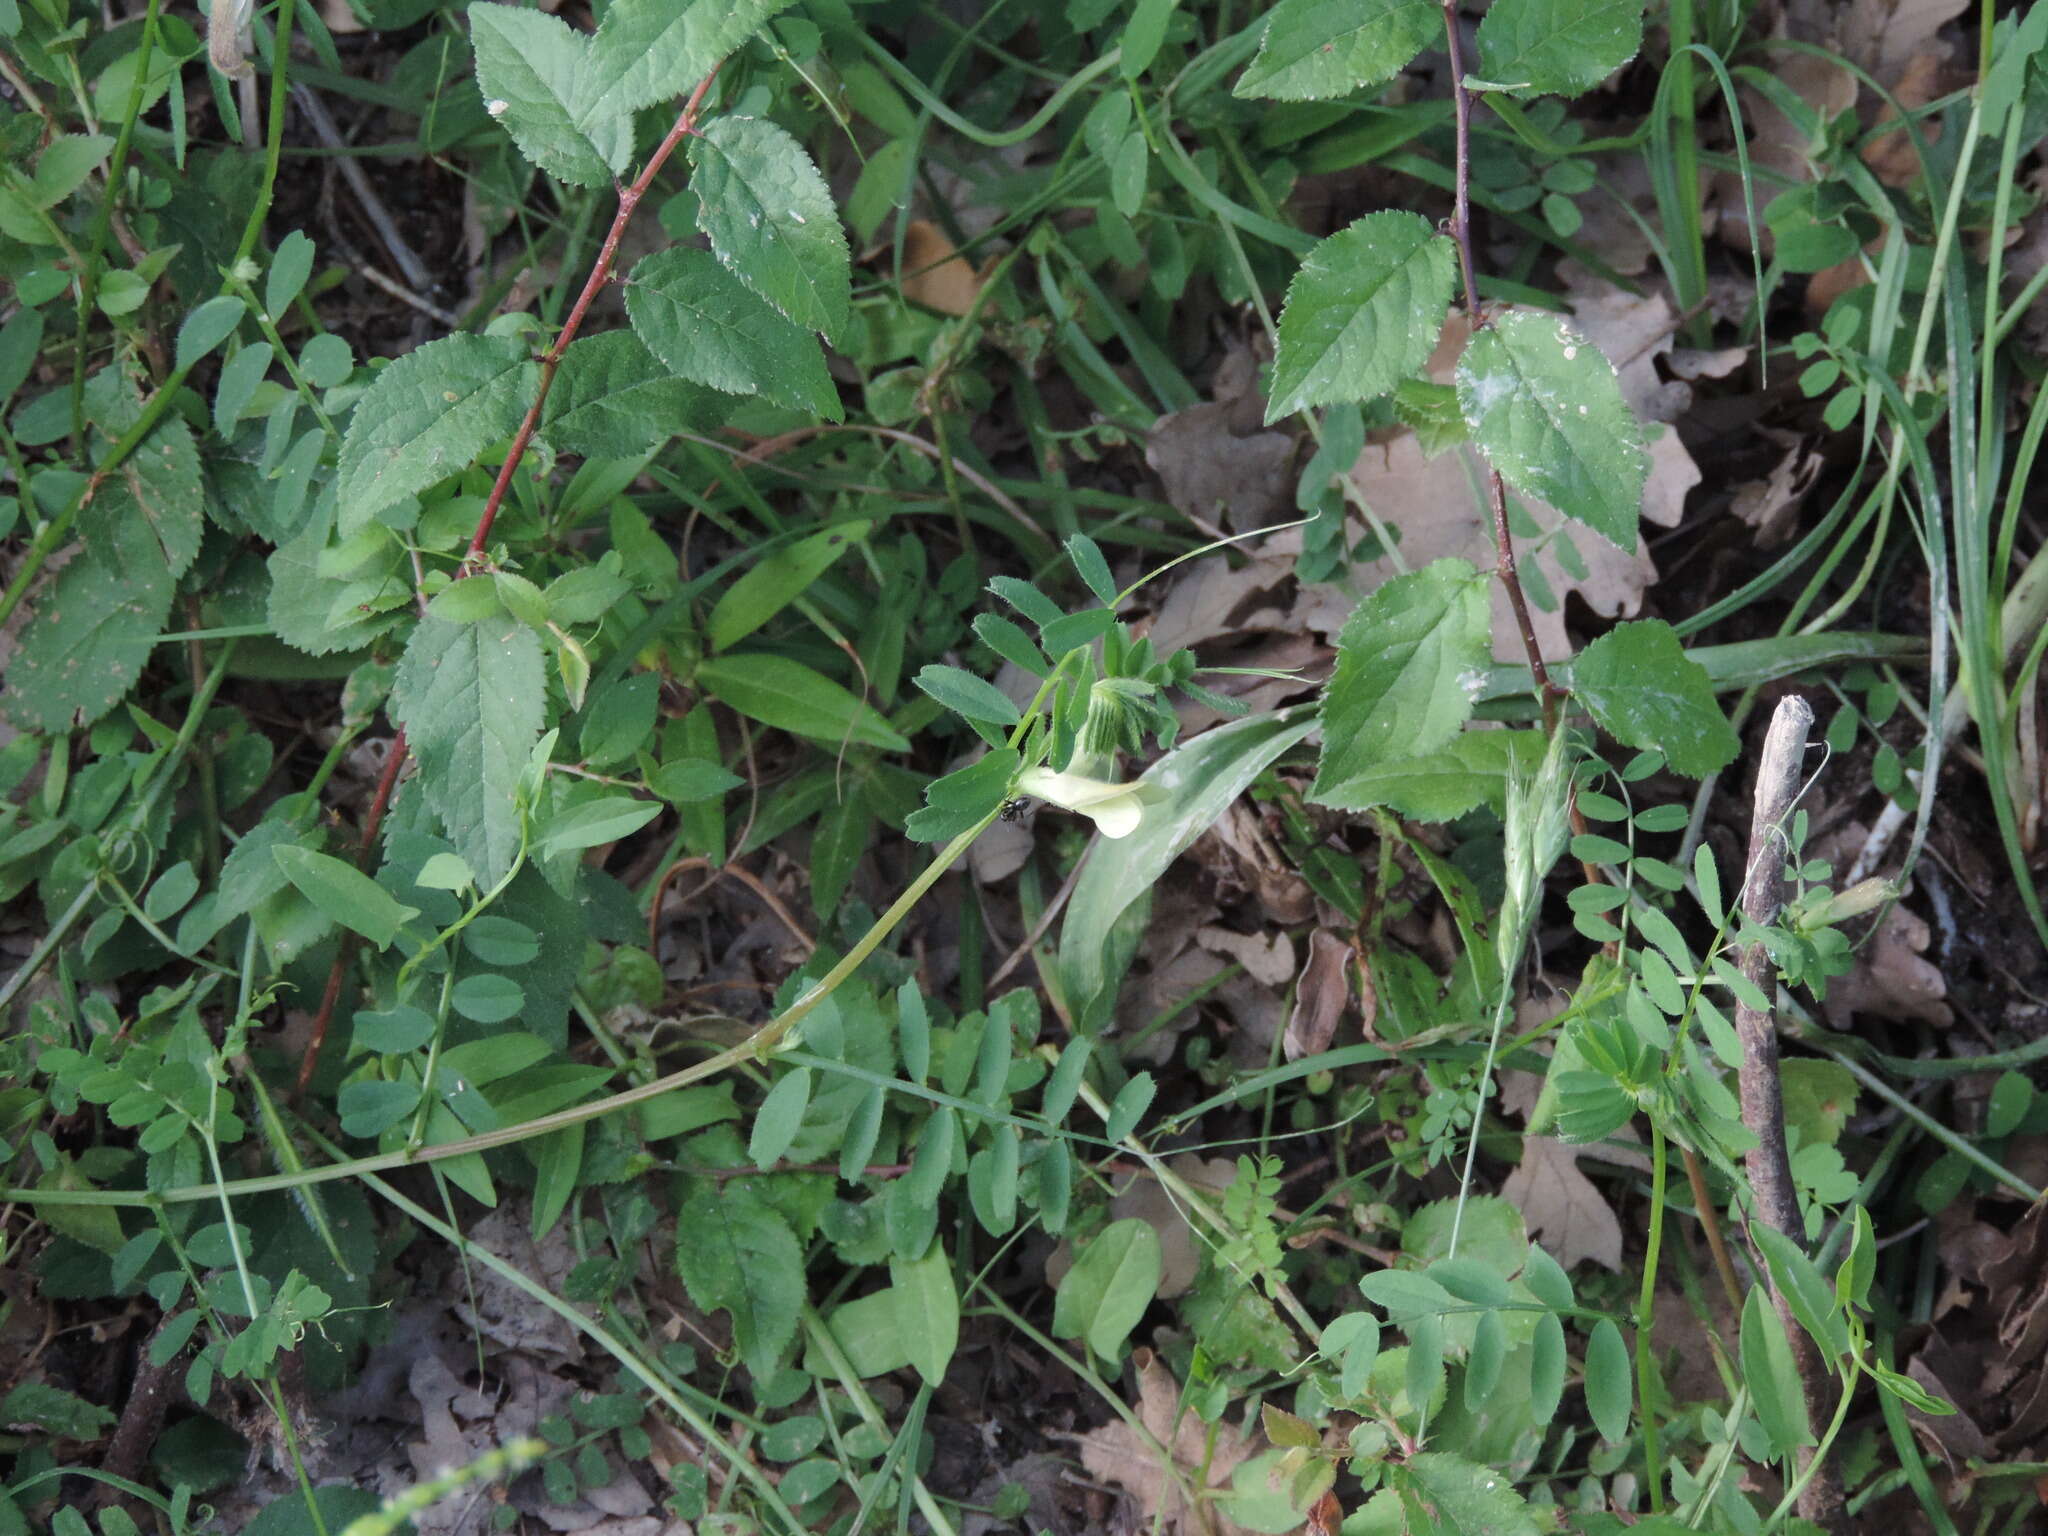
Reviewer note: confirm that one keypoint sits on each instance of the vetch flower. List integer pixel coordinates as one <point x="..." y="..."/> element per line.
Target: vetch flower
<point x="1114" y="808"/>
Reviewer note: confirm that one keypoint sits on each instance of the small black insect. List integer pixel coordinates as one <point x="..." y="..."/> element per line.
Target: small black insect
<point x="1012" y="809"/>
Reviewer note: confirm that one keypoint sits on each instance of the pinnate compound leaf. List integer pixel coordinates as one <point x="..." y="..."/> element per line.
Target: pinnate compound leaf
<point x="772" y="220"/>
<point x="612" y="399"/>
<point x="1646" y="692"/>
<point x="736" y="1253"/>
<point x="793" y="697"/>
<point x="471" y="698"/>
<point x="1319" y="48"/>
<point x="1404" y="660"/>
<point x="1562" y="46"/>
<point x="1462" y="1497"/>
<point x="1363" y="312"/>
<point x="651" y="50"/>
<point x="707" y="325"/>
<point x="1545" y="406"/>
<point x="530" y="67"/>
<point x="1111" y="1284"/>
<point x="344" y="893"/>
<point x="427" y="416"/>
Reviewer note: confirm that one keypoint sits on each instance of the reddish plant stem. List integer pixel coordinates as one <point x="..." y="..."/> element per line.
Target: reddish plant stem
<point x="1547" y="692"/>
<point x="600" y="274"/>
<point x="551" y="360"/>
<point x="344" y="952"/>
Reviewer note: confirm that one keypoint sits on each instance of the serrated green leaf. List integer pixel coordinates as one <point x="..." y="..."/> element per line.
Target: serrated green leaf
<point x="793" y="697"/>
<point x="654" y="50"/>
<point x="530" y="67"/>
<point x="472" y="699"/>
<point x="708" y="326"/>
<point x="1646" y="692"/>
<point x="1406" y="662"/>
<point x="427" y="416"/>
<point x="613" y="399"/>
<point x="158" y="485"/>
<point x="1462" y="1497"/>
<point x="471" y="600"/>
<point x="772" y="220"/>
<point x="738" y="1255"/>
<point x="1545" y="406"/>
<point x="90" y="632"/>
<point x="1442" y="786"/>
<point x="1319" y="48"/>
<point x="1363" y="312"/>
<point x="344" y="893"/>
<point x="775" y="581"/>
<point x="1562" y="46"/>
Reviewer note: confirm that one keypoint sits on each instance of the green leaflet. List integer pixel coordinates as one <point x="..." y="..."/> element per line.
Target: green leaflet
<point x="737" y="1254"/>
<point x="707" y="325"/>
<point x="1318" y="48"/>
<point x="471" y="698"/>
<point x="427" y="416"/>
<point x="1565" y="46"/>
<point x="1196" y="782"/>
<point x="613" y="399"/>
<point x="1772" y="1375"/>
<point x="1363" y="312"/>
<point x="1408" y="664"/>
<point x="529" y="66"/>
<point x="792" y="697"/>
<point x="1545" y="405"/>
<point x="1113" y="1281"/>
<point x="927" y="1309"/>
<point x="344" y="893"/>
<point x="772" y="220"/>
<point x="1646" y="692"/>
<point x="652" y="50"/>
<point x="1609" y="1385"/>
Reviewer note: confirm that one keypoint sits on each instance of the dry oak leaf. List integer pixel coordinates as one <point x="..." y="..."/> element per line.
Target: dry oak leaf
<point x="1893" y="978"/>
<point x="1561" y="1206"/>
<point x="1175" y="1455"/>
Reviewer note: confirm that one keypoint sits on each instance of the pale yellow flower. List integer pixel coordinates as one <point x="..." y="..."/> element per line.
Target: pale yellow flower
<point x="1114" y="808"/>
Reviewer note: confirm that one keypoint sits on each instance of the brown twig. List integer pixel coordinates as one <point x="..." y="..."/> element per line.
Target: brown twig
<point x="745" y="877"/>
<point x="1763" y="1100"/>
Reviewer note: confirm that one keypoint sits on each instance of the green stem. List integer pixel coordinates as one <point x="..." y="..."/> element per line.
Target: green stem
<point x="1646" y="1304"/>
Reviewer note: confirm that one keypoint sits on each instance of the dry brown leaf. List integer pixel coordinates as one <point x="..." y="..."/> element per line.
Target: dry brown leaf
<point x="1265" y="957"/>
<point x="1562" y="1207"/>
<point x="935" y="274"/>
<point x="1893" y="978"/>
<point x="1771" y="505"/>
<point x="1321" y="996"/>
<point x="1885" y="35"/>
<point x="1119" y="1454"/>
<point x="1891" y="155"/>
<point x="1777" y="144"/>
<point x="1219" y="479"/>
